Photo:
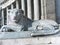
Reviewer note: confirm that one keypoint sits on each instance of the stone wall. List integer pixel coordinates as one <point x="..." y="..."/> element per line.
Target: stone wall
<point x="50" y="5"/>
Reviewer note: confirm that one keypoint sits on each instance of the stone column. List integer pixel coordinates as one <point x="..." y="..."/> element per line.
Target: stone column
<point x="7" y="16"/>
<point x="2" y="17"/>
<point x="11" y="6"/>
<point x="45" y="13"/>
<point x="29" y="13"/>
<point x="42" y="13"/>
<point x="43" y="9"/>
<point x="36" y="10"/>
<point x="17" y="5"/>
<point x="23" y="5"/>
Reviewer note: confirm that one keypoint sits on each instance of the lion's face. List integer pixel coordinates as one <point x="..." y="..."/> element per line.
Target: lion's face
<point x="18" y="15"/>
<point x="11" y="16"/>
<point x="15" y="15"/>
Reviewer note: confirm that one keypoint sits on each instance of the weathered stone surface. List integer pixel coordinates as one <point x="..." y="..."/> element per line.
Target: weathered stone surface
<point x="50" y="9"/>
<point x="25" y="24"/>
<point x="32" y="41"/>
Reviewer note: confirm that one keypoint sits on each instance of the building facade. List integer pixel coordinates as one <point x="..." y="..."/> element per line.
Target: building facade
<point x="33" y="9"/>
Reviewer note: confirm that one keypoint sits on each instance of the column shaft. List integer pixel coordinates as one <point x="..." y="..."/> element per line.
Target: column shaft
<point x="2" y="17"/>
<point x="11" y="6"/>
<point x="42" y="11"/>
<point x="17" y="5"/>
<point x="45" y="13"/>
<point x="23" y="5"/>
<point x="36" y="10"/>
<point x="7" y="15"/>
<point x="29" y="13"/>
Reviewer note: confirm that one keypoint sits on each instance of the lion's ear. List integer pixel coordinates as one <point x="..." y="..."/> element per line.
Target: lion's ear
<point x="21" y="11"/>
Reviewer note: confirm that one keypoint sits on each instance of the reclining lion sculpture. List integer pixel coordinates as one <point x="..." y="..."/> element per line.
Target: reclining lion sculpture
<point x="25" y="24"/>
<point x="17" y="22"/>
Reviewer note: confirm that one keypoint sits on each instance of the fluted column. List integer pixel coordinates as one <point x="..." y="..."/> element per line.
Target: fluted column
<point x="17" y="5"/>
<point x="29" y="13"/>
<point x="23" y="5"/>
<point x="36" y="10"/>
<point x="2" y="17"/>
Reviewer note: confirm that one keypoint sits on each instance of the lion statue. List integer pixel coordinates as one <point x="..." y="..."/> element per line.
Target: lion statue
<point x="17" y="21"/>
<point x="22" y="23"/>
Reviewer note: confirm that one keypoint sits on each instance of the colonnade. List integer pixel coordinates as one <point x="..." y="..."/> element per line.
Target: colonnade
<point x="29" y="3"/>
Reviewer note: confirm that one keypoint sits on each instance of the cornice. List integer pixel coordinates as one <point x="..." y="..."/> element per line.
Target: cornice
<point x="3" y="2"/>
<point x="7" y="3"/>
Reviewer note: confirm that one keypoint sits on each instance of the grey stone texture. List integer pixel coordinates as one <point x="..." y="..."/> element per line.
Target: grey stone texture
<point x="50" y="5"/>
